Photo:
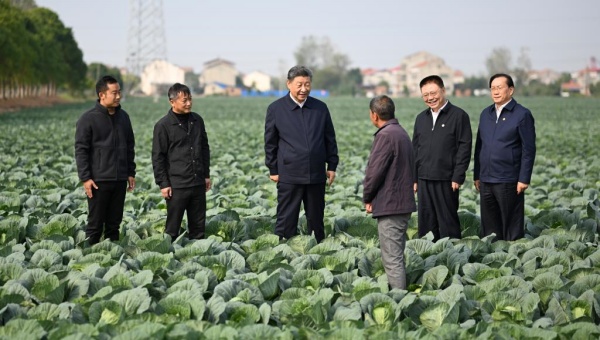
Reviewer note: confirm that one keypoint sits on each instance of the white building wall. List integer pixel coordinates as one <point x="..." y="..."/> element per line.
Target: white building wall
<point x="160" y="72"/>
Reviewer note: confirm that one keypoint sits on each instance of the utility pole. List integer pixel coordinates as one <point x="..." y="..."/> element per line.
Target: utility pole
<point x="146" y="38"/>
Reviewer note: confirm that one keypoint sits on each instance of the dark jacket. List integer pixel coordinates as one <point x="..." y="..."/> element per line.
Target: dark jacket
<point x="505" y="150"/>
<point x="299" y="141"/>
<point x="388" y="183"/>
<point x="443" y="152"/>
<point x="104" y="146"/>
<point x="180" y="157"/>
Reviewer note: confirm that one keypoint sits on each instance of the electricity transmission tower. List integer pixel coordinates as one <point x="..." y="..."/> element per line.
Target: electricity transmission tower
<point x="146" y="39"/>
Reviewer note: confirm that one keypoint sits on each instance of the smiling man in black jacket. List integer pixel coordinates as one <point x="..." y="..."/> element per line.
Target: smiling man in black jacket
<point x="301" y="154"/>
<point x="104" y="153"/>
<point x="181" y="163"/>
<point x="442" y="144"/>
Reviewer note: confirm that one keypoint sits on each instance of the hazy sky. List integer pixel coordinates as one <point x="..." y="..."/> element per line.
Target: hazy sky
<point x="263" y="34"/>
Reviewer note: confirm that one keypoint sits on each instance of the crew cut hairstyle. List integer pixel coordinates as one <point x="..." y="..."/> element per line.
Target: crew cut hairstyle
<point x="509" y="80"/>
<point x="383" y="106"/>
<point x="102" y="84"/>
<point x="432" y="79"/>
<point x="178" y="88"/>
<point x="299" y="71"/>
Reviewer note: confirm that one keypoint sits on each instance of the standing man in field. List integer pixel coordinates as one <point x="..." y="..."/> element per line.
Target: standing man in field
<point x="181" y="163"/>
<point x="388" y="187"/>
<point x="442" y="141"/>
<point x="301" y="154"/>
<point x="104" y="153"/>
<point x="504" y="157"/>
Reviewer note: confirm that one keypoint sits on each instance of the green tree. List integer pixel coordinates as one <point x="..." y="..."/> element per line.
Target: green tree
<point x="97" y="70"/>
<point x="192" y="80"/>
<point x="38" y="53"/>
<point x="49" y="64"/>
<point x="499" y="61"/>
<point x="521" y="72"/>
<point x="329" y="66"/>
<point x="16" y="51"/>
<point x="24" y="4"/>
<point x="476" y="82"/>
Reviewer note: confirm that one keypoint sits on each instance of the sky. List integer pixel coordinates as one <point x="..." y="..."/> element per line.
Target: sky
<point x="262" y="35"/>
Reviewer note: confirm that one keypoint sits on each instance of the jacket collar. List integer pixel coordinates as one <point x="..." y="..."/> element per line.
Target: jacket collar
<point x="509" y="107"/>
<point x="446" y="108"/>
<point x="392" y="121"/>
<point x="174" y="119"/>
<point x="104" y="110"/>
<point x="291" y="105"/>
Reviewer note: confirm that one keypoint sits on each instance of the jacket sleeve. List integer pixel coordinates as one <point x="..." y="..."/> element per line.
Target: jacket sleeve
<point x="527" y="134"/>
<point x="330" y="144"/>
<point x="160" y="148"/>
<point x="83" y="149"/>
<point x="415" y="143"/>
<point x="476" y="165"/>
<point x="463" y="152"/>
<point x="377" y="167"/>
<point x="205" y="151"/>
<point x="271" y="141"/>
<point x="130" y="150"/>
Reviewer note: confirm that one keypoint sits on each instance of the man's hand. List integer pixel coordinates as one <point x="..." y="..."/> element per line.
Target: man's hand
<point x="207" y="184"/>
<point x="368" y="208"/>
<point x="521" y="187"/>
<point x="477" y="183"/>
<point x="331" y="176"/>
<point x="88" y="185"/>
<point x="415" y="186"/>
<point x="455" y="186"/>
<point x="274" y="178"/>
<point x="130" y="183"/>
<point x="166" y="192"/>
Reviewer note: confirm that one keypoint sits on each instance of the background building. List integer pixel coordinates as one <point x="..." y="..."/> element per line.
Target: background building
<point x="159" y="75"/>
<point x="257" y="81"/>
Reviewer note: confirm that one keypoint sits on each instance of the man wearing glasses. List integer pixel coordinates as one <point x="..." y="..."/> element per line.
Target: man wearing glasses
<point x="504" y="156"/>
<point x="442" y="141"/>
<point x="181" y="162"/>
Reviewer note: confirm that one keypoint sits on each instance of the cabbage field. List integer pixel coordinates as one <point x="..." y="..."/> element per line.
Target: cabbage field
<point x="242" y="283"/>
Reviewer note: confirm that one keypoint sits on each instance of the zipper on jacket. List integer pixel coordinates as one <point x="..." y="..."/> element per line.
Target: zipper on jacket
<point x="306" y="139"/>
<point x="115" y="143"/>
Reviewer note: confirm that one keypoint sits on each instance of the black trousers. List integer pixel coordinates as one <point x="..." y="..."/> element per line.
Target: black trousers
<point x="289" y="197"/>
<point x="105" y="211"/>
<point x="502" y="211"/>
<point x="192" y="200"/>
<point x="438" y="209"/>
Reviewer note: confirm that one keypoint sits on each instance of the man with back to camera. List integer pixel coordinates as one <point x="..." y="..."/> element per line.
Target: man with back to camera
<point x="504" y="156"/>
<point x="181" y="163"/>
<point x="388" y="187"/>
<point x="105" y="153"/>
<point x="301" y="154"/>
<point x="442" y="142"/>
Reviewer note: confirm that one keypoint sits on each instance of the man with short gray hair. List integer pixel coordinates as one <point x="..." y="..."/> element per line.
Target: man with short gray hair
<point x="388" y="187"/>
<point x="301" y="154"/>
<point x="181" y="163"/>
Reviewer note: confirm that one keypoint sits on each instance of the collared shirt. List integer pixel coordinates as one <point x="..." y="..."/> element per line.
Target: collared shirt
<point x="295" y="101"/>
<point x="436" y="114"/>
<point x="499" y="109"/>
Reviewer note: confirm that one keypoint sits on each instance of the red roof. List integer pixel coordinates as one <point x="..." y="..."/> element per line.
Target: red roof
<point x="571" y="85"/>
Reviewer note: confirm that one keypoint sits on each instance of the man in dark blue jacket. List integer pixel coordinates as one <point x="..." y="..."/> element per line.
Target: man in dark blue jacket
<point x="504" y="157"/>
<point x="301" y="154"/>
<point x="181" y="163"/>
<point x="104" y="153"/>
<point x="388" y="187"/>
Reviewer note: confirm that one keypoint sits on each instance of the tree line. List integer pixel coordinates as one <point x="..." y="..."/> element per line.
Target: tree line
<point x="38" y="54"/>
